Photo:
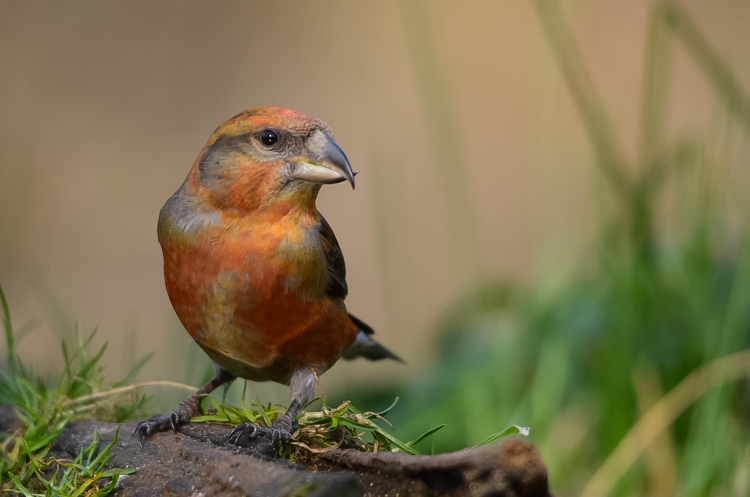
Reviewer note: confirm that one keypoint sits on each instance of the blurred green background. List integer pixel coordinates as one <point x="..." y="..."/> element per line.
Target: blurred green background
<point x="550" y="224"/>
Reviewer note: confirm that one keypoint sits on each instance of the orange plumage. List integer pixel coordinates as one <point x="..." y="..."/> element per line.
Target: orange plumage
<point x="253" y="270"/>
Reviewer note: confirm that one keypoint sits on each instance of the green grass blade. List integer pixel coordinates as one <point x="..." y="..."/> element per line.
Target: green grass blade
<point x="134" y="371"/>
<point x="449" y="157"/>
<point x="89" y="365"/>
<point x="386" y="410"/>
<point x="425" y="435"/>
<point x="9" y="335"/>
<point x="21" y="488"/>
<point x="395" y="441"/>
<point x="251" y="416"/>
<point x="511" y="430"/>
<point x="718" y="72"/>
<point x="263" y="413"/>
<point x="587" y="100"/>
<point x="98" y="462"/>
<point x="25" y="329"/>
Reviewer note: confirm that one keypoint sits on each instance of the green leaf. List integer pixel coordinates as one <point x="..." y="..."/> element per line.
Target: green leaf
<point x="251" y="416"/>
<point x="511" y="430"/>
<point x="395" y="441"/>
<point x="353" y="424"/>
<point x="425" y="435"/>
<point x="89" y="365"/>
<point x="263" y="413"/>
<point x="19" y="486"/>
<point x="134" y="371"/>
<point x="106" y="449"/>
<point x="387" y="409"/>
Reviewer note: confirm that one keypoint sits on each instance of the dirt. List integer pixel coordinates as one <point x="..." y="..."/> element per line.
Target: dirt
<point x="197" y="462"/>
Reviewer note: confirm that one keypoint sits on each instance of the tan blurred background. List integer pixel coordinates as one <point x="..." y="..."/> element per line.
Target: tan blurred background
<point x="105" y="105"/>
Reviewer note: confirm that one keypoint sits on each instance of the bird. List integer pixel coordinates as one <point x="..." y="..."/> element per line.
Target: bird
<point x="253" y="270"/>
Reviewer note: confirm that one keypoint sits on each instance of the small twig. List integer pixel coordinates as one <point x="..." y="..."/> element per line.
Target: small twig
<point x="117" y="391"/>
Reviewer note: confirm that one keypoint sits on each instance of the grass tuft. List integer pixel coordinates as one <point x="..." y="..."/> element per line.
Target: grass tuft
<point x="43" y="408"/>
<point x="342" y="427"/>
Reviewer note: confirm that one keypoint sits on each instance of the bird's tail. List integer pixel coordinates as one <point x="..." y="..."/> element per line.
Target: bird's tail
<point x="365" y="346"/>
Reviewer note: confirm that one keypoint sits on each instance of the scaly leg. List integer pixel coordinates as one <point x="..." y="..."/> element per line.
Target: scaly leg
<point x="303" y="386"/>
<point x="184" y="412"/>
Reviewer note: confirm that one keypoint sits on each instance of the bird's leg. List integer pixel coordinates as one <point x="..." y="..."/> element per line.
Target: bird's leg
<point x="303" y="386"/>
<point x="184" y="412"/>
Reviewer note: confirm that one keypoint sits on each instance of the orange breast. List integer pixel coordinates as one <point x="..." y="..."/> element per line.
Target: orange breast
<point x="255" y="292"/>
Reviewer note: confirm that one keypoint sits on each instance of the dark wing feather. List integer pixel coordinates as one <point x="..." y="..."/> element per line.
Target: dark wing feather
<point x="364" y="345"/>
<point x="361" y="325"/>
<point x="336" y="282"/>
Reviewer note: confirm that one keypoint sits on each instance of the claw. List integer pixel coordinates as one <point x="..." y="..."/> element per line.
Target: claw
<point x="249" y="429"/>
<point x="277" y="435"/>
<point x="160" y="423"/>
<point x="274" y="433"/>
<point x="141" y="429"/>
<point x="172" y="419"/>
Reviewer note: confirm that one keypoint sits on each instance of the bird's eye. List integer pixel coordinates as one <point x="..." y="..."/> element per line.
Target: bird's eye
<point x="268" y="137"/>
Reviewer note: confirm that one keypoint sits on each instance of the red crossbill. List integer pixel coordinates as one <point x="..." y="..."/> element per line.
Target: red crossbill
<point x="253" y="270"/>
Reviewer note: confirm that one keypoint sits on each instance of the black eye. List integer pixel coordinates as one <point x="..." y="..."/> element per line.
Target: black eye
<point x="268" y="137"/>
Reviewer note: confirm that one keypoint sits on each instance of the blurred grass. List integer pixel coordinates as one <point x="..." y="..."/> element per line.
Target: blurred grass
<point x="582" y="358"/>
<point x="445" y="135"/>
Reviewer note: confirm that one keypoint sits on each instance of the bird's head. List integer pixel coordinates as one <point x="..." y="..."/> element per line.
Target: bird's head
<point x="268" y="155"/>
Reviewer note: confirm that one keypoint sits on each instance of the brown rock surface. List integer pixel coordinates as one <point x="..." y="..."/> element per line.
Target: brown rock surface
<point x="510" y="468"/>
<point x="196" y="462"/>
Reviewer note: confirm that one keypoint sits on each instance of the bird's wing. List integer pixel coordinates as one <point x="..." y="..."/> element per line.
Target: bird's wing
<point x="336" y="282"/>
<point x="361" y="325"/>
<point x="365" y="346"/>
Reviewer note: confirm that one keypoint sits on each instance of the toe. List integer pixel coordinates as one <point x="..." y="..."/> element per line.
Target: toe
<point x="141" y="432"/>
<point x="248" y="429"/>
<point x="174" y="421"/>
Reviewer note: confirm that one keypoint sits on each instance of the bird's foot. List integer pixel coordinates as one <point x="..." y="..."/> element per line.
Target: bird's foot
<point x="280" y="430"/>
<point x="163" y="422"/>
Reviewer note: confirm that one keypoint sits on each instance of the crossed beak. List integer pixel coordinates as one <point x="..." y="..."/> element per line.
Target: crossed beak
<point x="325" y="162"/>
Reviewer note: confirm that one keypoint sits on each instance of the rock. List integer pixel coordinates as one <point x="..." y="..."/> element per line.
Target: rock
<point x="197" y="462"/>
<point x="511" y="468"/>
<point x="190" y="463"/>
